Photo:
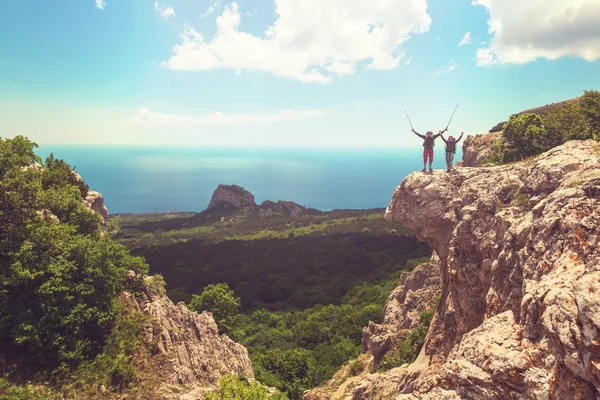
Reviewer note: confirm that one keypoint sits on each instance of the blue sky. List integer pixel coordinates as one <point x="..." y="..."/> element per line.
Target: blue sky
<point x="265" y="73"/>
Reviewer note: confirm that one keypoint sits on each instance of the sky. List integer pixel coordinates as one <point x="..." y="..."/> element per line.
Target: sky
<point x="289" y="73"/>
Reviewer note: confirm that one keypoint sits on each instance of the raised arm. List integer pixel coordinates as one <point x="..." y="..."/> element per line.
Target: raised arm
<point x="461" y="135"/>
<point x="418" y="134"/>
<point x="442" y="136"/>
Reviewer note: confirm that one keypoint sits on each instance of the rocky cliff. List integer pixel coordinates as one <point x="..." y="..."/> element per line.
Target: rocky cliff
<point x="519" y="248"/>
<point x="416" y="292"/>
<point x="189" y="355"/>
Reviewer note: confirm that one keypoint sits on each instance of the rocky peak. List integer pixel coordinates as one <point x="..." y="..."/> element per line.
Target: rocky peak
<point x="520" y="263"/>
<point x="231" y="196"/>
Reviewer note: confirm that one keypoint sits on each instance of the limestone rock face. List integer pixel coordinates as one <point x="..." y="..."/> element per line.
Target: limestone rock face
<point x="519" y="251"/>
<point x="231" y="196"/>
<point x="477" y="148"/>
<point x="95" y="202"/>
<point x="415" y="293"/>
<point x="191" y="353"/>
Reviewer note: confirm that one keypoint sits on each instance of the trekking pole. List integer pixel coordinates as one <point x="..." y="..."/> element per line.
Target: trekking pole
<point x="451" y="117"/>
<point x="411" y="127"/>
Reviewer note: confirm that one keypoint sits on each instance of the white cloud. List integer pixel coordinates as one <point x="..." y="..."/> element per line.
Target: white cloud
<point x="100" y="4"/>
<point x="165" y="12"/>
<point x="211" y="9"/>
<point x="525" y="31"/>
<point x="145" y="116"/>
<point x="448" y="68"/>
<point x="310" y="40"/>
<point x="465" y="40"/>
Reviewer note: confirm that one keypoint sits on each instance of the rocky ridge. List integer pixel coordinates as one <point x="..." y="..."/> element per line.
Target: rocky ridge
<point x="520" y="311"/>
<point x="189" y="355"/>
<point x="233" y="198"/>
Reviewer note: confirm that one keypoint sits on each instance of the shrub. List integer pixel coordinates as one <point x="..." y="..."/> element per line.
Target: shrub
<point x="528" y="135"/>
<point x="356" y="367"/>
<point x="234" y="387"/>
<point x="221" y="301"/>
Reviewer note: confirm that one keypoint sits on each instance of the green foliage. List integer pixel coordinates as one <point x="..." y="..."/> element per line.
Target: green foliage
<point x="10" y="391"/>
<point x="59" y="174"/>
<point x="58" y="279"/>
<point x="234" y="387"/>
<point x="527" y="135"/>
<point x="356" y="367"/>
<point x="114" y="366"/>
<point x="298" y="350"/>
<point x="221" y="301"/>
<point x="156" y="285"/>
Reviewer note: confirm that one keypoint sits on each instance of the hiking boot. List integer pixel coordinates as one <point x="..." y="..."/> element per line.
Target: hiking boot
<point x="430" y="170"/>
<point x="423" y="170"/>
<point x="448" y="170"/>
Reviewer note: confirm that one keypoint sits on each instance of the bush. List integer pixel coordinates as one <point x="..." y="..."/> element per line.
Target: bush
<point x="528" y="135"/>
<point x="356" y="367"/>
<point x="233" y="387"/>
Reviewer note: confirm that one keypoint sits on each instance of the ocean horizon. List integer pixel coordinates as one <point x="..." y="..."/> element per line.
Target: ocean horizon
<point x="171" y="179"/>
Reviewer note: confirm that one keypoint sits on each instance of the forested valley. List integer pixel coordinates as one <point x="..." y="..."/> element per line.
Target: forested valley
<point x="296" y="291"/>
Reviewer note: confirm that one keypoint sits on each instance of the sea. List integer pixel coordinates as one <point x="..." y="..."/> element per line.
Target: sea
<point x="168" y="179"/>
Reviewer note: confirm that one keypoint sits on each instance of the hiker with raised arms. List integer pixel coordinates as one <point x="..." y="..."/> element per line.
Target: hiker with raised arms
<point x="450" y="149"/>
<point x="428" y="144"/>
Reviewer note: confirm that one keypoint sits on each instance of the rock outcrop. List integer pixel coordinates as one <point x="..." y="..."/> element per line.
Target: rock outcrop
<point x="519" y="248"/>
<point x="190" y="356"/>
<point x="231" y="197"/>
<point x="95" y="202"/>
<point x="477" y="148"/>
<point x="415" y="293"/>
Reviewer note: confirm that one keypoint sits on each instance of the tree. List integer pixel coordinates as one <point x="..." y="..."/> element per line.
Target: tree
<point x="590" y="105"/>
<point x="523" y="137"/>
<point x="59" y="277"/>
<point x="221" y="301"/>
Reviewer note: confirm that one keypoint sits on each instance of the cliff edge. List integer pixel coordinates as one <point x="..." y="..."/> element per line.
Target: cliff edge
<point x="519" y="255"/>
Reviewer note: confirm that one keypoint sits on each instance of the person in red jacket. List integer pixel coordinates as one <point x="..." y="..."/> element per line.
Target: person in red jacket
<point x="428" y="144"/>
